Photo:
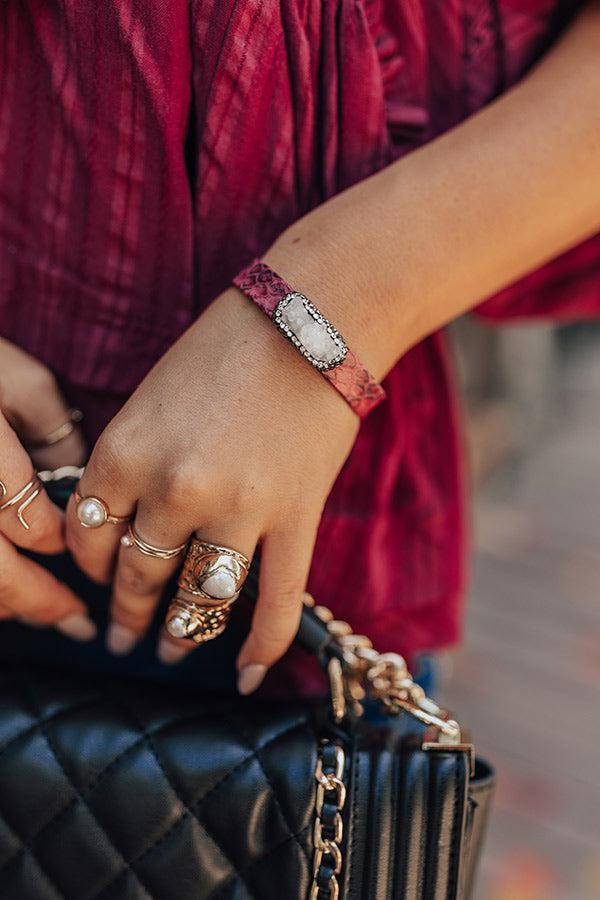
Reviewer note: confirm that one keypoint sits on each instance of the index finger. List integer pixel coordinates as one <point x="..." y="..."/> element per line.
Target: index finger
<point x="28" y="518"/>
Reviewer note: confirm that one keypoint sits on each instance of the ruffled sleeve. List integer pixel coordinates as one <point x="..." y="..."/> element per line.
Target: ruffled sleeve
<point x="567" y="288"/>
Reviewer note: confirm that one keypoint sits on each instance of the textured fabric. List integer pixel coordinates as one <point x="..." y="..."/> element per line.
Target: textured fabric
<point x="355" y="383"/>
<point x="149" y="150"/>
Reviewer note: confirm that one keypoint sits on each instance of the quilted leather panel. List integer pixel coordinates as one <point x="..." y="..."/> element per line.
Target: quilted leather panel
<point x="129" y="792"/>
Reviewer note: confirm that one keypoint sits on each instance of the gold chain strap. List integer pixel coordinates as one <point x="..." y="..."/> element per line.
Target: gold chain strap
<point x="378" y="676"/>
<point x="383" y="677"/>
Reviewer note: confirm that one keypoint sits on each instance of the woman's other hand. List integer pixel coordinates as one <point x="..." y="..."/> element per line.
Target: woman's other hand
<point x="31" y="407"/>
<point x="232" y="436"/>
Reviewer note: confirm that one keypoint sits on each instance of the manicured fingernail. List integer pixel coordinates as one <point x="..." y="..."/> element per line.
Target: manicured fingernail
<point x="170" y="653"/>
<point x="77" y="626"/>
<point x="119" y="639"/>
<point x="250" y="677"/>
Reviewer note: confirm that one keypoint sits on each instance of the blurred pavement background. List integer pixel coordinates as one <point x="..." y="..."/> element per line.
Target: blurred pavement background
<point x="527" y="680"/>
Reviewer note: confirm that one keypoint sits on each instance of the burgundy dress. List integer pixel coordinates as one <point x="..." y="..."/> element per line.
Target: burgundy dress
<point x="149" y="150"/>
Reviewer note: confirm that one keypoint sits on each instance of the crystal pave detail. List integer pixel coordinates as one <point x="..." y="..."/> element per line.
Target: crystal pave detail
<point x="310" y="331"/>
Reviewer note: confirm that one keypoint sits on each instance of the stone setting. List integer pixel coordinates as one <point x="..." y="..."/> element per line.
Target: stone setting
<point x="91" y="512"/>
<point x="221" y="583"/>
<point x="316" y="338"/>
<point x="177" y="626"/>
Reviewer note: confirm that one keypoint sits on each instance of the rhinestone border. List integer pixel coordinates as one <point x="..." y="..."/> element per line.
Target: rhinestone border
<point x="318" y="317"/>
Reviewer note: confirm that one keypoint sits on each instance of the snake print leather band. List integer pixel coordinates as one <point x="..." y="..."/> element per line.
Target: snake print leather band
<point x="314" y="336"/>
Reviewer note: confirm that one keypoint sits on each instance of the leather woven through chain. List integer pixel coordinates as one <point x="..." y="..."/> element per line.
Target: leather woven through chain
<point x="383" y="677"/>
<point x="329" y="827"/>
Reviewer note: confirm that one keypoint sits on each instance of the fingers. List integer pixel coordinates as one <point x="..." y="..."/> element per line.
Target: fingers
<point x="71" y="450"/>
<point x="140" y="580"/>
<point x="241" y="537"/>
<point x="44" y="521"/>
<point x="95" y="548"/>
<point x="30" y="593"/>
<point x="285" y="561"/>
<point x="33" y="402"/>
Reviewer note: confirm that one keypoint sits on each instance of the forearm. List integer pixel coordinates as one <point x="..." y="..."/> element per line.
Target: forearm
<point x="402" y="253"/>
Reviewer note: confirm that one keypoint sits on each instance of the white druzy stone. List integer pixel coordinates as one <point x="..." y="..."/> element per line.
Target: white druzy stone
<point x="91" y="513"/>
<point x="222" y="584"/>
<point x="313" y="336"/>
<point x="177" y="626"/>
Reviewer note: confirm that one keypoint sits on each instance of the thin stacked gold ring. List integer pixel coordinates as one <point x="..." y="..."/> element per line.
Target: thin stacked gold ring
<point x="132" y="539"/>
<point x="24" y="498"/>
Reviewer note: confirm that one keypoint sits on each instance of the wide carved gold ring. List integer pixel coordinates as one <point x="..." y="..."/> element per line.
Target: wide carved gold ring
<point x="213" y="572"/>
<point x="215" y="575"/>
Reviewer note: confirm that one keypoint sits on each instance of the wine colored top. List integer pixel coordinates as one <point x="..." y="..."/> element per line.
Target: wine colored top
<point x="150" y="150"/>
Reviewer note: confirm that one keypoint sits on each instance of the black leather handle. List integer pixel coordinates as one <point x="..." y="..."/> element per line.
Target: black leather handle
<point x="312" y="634"/>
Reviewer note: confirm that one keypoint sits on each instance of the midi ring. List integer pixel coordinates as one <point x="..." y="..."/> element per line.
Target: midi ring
<point x="24" y="498"/>
<point x="58" y="434"/>
<point x="195" y="621"/>
<point x="132" y="539"/>
<point x="93" y="512"/>
<point x="213" y="572"/>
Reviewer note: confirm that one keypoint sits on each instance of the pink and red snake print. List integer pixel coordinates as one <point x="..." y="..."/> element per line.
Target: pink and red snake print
<point x="350" y="378"/>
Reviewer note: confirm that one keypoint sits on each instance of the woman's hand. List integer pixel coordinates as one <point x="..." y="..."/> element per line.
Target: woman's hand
<point x="31" y="403"/>
<point x="232" y="436"/>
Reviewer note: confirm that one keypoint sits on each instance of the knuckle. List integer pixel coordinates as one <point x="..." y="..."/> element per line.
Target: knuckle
<point x="40" y="379"/>
<point x="277" y="631"/>
<point x="134" y="580"/>
<point x="132" y="612"/>
<point x="183" y="487"/>
<point x="43" y="527"/>
<point x="288" y="597"/>
<point x="7" y="584"/>
<point x="246" y="494"/>
<point x="110" y="454"/>
<point x="46" y="612"/>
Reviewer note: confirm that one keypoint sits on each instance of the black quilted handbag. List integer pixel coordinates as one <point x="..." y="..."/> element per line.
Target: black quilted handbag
<point x="123" y="790"/>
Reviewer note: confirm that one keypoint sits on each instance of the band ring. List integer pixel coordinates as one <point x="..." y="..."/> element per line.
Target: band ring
<point x="213" y="572"/>
<point x="215" y="575"/>
<point x="132" y="539"/>
<point x="93" y="512"/>
<point x="58" y="434"/>
<point x="197" y="622"/>
<point x="23" y="497"/>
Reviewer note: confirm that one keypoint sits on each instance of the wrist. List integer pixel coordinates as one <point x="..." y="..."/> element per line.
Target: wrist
<point x="313" y="335"/>
<point x="320" y="257"/>
<point x="274" y="373"/>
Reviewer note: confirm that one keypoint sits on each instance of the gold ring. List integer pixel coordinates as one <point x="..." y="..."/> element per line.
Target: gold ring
<point x="132" y="539"/>
<point x="195" y="621"/>
<point x="93" y="512"/>
<point x="24" y="498"/>
<point x="213" y="572"/>
<point x="215" y="575"/>
<point x="58" y="434"/>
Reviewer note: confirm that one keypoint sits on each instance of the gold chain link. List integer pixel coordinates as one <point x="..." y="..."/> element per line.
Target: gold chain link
<point x="384" y="677"/>
<point x="378" y="676"/>
<point x="328" y="850"/>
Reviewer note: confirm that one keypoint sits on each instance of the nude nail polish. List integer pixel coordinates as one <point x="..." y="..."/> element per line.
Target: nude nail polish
<point x="169" y="653"/>
<point x="119" y="639"/>
<point x="250" y="677"/>
<point x="77" y="626"/>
